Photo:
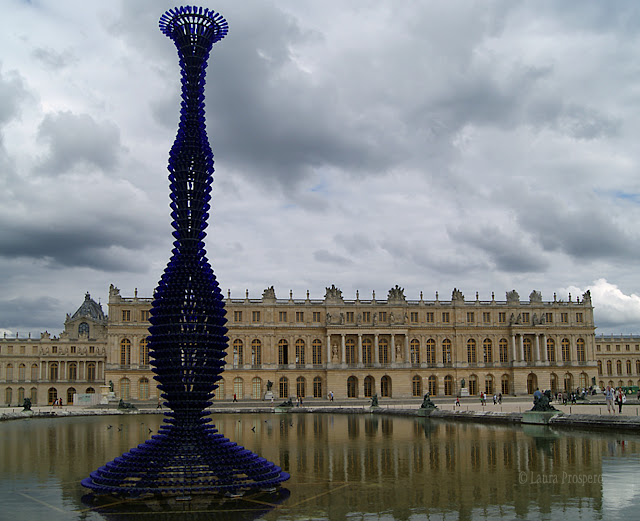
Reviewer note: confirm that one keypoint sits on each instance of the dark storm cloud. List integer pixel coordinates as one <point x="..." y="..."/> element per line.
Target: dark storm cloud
<point x="18" y="316"/>
<point x="78" y="140"/>
<point x="512" y="253"/>
<point x="584" y="233"/>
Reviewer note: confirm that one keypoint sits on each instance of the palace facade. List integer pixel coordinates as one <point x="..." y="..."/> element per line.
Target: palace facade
<point x="393" y="347"/>
<point x="618" y="360"/>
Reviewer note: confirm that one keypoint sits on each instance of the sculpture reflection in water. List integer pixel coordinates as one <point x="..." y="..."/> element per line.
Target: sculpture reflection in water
<point x="188" y="335"/>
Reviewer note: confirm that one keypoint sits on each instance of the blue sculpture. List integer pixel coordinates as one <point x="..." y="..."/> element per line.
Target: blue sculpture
<point x="188" y="335"/>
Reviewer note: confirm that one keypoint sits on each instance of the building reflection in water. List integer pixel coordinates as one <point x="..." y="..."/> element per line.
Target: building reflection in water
<point x="342" y="465"/>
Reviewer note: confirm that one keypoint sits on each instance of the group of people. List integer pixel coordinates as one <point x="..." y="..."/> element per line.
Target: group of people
<point x="497" y="399"/>
<point x="57" y="402"/>
<point x="614" y="396"/>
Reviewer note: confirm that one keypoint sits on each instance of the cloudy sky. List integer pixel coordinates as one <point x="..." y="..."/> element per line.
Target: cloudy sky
<point x="487" y="146"/>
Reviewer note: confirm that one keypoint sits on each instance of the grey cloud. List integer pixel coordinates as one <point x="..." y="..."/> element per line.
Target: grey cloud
<point x="76" y="140"/>
<point x="13" y="93"/>
<point x="53" y="59"/>
<point x="326" y="257"/>
<point x="18" y="316"/>
<point x="355" y="243"/>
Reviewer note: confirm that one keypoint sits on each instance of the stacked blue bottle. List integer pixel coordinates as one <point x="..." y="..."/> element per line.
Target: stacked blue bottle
<point x="188" y="341"/>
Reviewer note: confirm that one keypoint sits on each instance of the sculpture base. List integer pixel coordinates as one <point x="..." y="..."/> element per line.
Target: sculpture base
<point x="426" y="412"/>
<point x="282" y="409"/>
<point x="539" y="417"/>
<point x="269" y="396"/>
<point x="464" y="392"/>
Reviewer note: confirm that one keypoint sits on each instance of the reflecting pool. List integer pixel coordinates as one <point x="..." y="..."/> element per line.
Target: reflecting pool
<point x="363" y="466"/>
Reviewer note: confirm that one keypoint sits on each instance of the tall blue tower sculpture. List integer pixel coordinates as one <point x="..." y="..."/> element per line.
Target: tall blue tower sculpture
<point x="188" y="335"/>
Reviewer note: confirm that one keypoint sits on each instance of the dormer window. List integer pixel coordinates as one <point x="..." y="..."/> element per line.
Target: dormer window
<point x="83" y="329"/>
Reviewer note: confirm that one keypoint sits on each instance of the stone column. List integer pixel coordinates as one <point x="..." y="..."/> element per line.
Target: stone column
<point x="359" y="356"/>
<point x="543" y="352"/>
<point x="537" y="353"/>
<point x="513" y="344"/>
<point x="522" y="347"/>
<point x="407" y="358"/>
<point x="344" y="348"/>
<point x="328" y="348"/>
<point x="393" y="348"/>
<point x="376" y="354"/>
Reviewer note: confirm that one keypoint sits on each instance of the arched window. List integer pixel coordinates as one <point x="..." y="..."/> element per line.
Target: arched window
<point x="487" y="351"/>
<point x="283" y="387"/>
<point x="300" y="349"/>
<point x="368" y="386"/>
<point x="352" y="387"/>
<point x="237" y="353"/>
<point x="83" y="329"/>
<point x="144" y="352"/>
<point x="488" y="384"/>
<point x="568" y="382"/>
<point x="238" y="387"/>
<point x="551" y="350"/>
<point x="70" y="392"/>
<point x="301" y="387"/>
<point x="366" y="351"/>
<point x="599" y="367"/>
<point x="582" y="382"/>
<point x="503" y="350"/>
<point x="91" y="371"/>
<point x="90" y="390"/>
<point x="446" y="351"/>
<point x="526" y="346"/>
<point x="72" y="371"/>
<point x="383" y="350"/>
<point x="52" y="395"/>
<point x="415" y="351"/>
<point x="22" y="373"/>
<point x="219" y="390"/>
<point x="553" y="382"/>
<point x="431" y="351"/>
<point x="448" y="385"/>
<point x="619" y="366"/>
<point x="609" y="367"/>
<point x="20" y="395"/>
<point x="53" y="371"/>
<point x="8" y="395"/>
<point x="416" y="386"/>
<point x="432" y="383"/>
<point x="505" y="384"/>
<point x="471" y="351"/>
<point x="143" y="389"/>
<point x="580" y="350"/>
<point x="473" y="384"/>
<point x="125" y="388"/>
<point x="283" y="354"/>
<point x="316" y="352"/>
<point x="385" y="386"/>
<point x="256" y="352"/>
<point x="34" y="395"/>
<point x="350" y="354"/>
<point x="317" y="387"/>
<point x="629" y="367"/>
<point x="125" y="352"/>
<point x="532" y="383"/>
<point x="34" y="373"/>
<point x="565" y="348"/>
<point x="256" y="388"/>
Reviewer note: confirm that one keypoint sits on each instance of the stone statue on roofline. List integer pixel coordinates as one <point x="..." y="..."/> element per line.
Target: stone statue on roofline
<point x="333" y="293"/>
<point x="457" y="295"/>
<point x="396" y="293"/>
<point x="269" y="294"/>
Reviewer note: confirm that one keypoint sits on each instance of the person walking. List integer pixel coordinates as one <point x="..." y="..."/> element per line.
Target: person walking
<point x="608" y="398"/>
<point x="620" y="398"/>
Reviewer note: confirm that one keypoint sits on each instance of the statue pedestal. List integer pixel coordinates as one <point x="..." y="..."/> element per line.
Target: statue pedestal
<point x="539" y="417"/>
<point x="464" y="392"/>
<point x="268" y="396"/>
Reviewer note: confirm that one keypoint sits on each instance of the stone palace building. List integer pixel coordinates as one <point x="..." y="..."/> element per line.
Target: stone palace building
<point x="392" y="347"/>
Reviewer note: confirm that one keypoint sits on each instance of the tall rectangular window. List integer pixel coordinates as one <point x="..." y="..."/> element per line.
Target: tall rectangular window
<point x="350" y="319"/>
<point x="299" y="316"/>
<point x="430" y="317"/>
<point x="470" y="317"/>
<point x="564" y="318"/>
<point x="445" y="317"/>
<point x="414" y="317"/>
<point x="502" y="317"/>
<point x="486" y="317"/>
<point x="579" y="318"/>
<point x="382" y="316"/>
<point x="126" y="315"/>
<point x="316" y="316"/>
<point x="237" y="316"/>
<point x="366" y="317"/>
<point x="282" y="316"/>
<point x="255" y="316"/>
<point x="549" y="318"/>
<point x="144" y="315"/>
<point x="525" y="318"/>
